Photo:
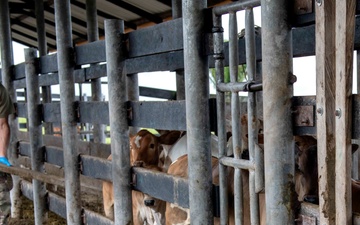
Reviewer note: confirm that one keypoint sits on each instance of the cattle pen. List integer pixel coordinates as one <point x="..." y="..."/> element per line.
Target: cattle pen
<point x="190" y="43"/>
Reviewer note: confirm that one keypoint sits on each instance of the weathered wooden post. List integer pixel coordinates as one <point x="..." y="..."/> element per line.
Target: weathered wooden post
<point x="344" y="48"/>
<point x="325" y="103"/>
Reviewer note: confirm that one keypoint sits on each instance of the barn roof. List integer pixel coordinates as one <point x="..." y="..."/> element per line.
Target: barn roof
<point x="135" y="13"/>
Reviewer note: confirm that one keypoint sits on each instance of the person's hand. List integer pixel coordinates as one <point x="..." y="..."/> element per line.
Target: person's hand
<point x="5" y="161"/>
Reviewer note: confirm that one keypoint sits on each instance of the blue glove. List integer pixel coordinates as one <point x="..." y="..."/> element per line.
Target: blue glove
<point x="4" y="161"/>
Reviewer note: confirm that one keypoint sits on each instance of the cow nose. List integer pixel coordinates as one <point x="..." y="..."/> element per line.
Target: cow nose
<point x="149" y="202"/>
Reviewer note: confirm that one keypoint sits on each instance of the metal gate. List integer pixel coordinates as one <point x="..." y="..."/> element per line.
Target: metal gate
<point x="256" y="176"/>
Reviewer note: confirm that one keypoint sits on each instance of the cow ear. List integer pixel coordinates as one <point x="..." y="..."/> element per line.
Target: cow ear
<point x="142" y="133"/>
<point x="170" y="137"/>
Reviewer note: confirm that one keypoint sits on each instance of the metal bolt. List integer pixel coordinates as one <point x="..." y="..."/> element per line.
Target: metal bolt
<point x="319" y="2"/>
<point x="338" y="113"/>
<point x="320" y="111"/>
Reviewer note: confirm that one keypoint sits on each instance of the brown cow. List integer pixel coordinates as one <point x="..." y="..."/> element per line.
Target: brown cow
<point x="146" y="209"/>
<point x="306" y="183"/>
<point x="145" y="149"/>
<point x="177" y="215"/>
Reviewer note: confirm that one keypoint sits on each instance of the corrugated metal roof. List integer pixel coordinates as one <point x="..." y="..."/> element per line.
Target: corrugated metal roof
<point x="135" y="13"/>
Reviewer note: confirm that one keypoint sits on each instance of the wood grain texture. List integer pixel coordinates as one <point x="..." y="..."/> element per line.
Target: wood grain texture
<point x="344" y="43"/>
<point x="325" y="103"/>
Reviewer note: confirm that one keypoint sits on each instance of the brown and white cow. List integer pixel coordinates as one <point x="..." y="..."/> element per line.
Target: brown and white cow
<point x="145" y="149"/>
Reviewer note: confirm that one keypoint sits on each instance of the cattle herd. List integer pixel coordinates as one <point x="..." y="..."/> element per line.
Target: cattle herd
<point x="167" y="153"/>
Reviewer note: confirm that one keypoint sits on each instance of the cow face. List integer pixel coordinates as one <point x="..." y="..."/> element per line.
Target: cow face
<point x="144" y="149"/>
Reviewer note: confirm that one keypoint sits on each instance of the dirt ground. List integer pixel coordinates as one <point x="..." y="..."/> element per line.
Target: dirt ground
<point x="91" y="201"/>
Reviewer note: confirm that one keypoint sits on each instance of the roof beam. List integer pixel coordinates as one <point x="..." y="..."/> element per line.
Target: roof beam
<point x="17" y="5"/>
<point x="103" y="14"/>
<point x="74" y="20"/>
<point x="166" y="2"/>
<point x="136" y="10"/>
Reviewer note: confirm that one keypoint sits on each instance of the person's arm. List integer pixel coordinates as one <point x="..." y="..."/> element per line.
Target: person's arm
<point x="4" y="140"/>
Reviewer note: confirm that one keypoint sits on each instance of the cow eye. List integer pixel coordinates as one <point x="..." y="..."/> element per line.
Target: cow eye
<point x="152" y="145"/>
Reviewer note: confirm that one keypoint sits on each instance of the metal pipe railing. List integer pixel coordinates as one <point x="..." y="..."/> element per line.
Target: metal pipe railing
<point x="235" y="6"/>
<point x="251" y="111"/>
<point x="238" y="163"/>
<point x="248" y="86"/>
<point x="119" y="129"/>
<point x="277" y="94"/>
<point x="220" y="104"/>
<point x="197" y="112"/>
<point x="96" y="94"/>
<point x="65" y="60"/>
<point x="35" y="130"/>
<point x="180" y="78"/>
<point x="42" y="47"/>
<point x="235" y="115"/>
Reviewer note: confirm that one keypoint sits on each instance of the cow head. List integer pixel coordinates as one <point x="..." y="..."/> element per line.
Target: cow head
<point x="144" y="149"/>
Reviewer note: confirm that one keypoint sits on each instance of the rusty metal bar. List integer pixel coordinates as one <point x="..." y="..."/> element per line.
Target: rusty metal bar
<point x="277" y="92"/>
<point x="119" y="128"/>
<point x="35" y="130"/>
<point x="65" y="60"/>
<point x="197" y="112"/>
<point x="7" y="62"/>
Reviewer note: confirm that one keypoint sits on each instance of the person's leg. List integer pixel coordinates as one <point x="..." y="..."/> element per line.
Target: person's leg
<point x="5" y="203"/>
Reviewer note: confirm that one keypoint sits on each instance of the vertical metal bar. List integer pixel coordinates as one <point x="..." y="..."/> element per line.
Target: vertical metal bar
<point x="356" y="155"/>
<point x="91" y="21"/>
<point x="220" y="105"/>
<point x="180" y="81"/>
<point x="35" y="130"/>
<point x="344" y="45"/>
<point x="325" y="103"/>
<point x="132" y="85"/>
<point x="119" y="128"/>
<point x="197" y="112"/>
<point x="96" y="95"/>
<point x="7" y="61"/>
<point x="279" y="144"/>
<point x="65" y="60"/>
<point x="251" y="108"/>
<point x="235" y="115"/>
<point x="42" y="47"/>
